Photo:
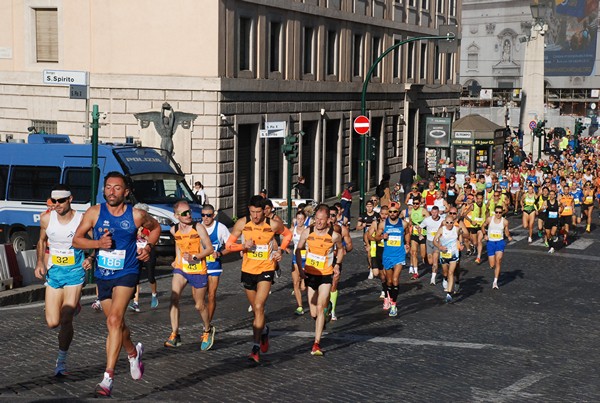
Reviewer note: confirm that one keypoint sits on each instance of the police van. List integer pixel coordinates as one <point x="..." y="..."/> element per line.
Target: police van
<point x="29" y="171"/>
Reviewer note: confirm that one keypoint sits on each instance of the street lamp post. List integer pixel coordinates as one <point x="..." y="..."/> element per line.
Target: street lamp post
<point x="533" y="74"/>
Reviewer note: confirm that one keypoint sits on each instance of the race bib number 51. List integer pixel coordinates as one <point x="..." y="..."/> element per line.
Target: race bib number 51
<point x="316" y="261"/>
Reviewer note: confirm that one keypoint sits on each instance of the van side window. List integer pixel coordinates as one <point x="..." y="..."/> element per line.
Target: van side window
<point x="79" y="180"/>
<point x="30" y="183"/>
<point x="3" y="179"/>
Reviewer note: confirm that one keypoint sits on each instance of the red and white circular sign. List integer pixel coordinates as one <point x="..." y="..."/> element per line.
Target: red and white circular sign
<point x="362" y="124"/>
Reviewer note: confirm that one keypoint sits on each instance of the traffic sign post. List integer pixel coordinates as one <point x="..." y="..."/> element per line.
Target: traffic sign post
<point x="532" y="125"/>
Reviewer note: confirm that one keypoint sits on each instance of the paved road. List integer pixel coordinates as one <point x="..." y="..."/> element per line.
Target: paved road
<point x="533" y="340"/>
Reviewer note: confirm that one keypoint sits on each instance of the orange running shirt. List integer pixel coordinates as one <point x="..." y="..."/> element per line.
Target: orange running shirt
<point x="190" y="243"/>
<point x="262" y="234"/>
<point x="319" y="253"/>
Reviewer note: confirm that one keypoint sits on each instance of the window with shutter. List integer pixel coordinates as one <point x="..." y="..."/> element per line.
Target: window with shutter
<point x="46" y="35"/>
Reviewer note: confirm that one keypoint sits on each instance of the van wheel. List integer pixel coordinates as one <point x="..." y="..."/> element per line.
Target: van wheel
<point x="20" y="241"/>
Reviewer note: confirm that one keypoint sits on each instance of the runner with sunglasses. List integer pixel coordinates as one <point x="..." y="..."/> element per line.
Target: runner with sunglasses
<point x="588" y="204"/>
<point x="494" y="229"/>
<point x="192" y="246"/>
<point x="417" y="237"/>
<point x="449" y="241"/>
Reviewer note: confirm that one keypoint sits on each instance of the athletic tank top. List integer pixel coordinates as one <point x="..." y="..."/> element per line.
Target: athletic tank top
<point x="395" y="235"/>
<point x="60" y="237"/>
<point x="319" y="253"/>
<point x="416" y="218"/>
<point x="121" y="259"/>
<point x="440" y="204"/>
<point x="552" y="209"/>
<point x="213" y="264"/>
<point x="258" y="260"/>
<point x="495" y="230"/>
<point x="449" y="239"/>
<point x="295" y="239"/>
<point x="529" y="202"/>
<point x="189" y="242"/>
<point x="477" y="216"/>
<point x="567" y="200"/>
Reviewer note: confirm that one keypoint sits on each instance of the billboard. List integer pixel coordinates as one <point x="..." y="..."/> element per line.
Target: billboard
<point x="437" y="132"/>
<point x="571" y="38"/>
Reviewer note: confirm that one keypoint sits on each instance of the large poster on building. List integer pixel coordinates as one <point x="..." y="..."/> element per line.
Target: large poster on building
<point x="571" y="38"/>
<point x="437" y="132"/>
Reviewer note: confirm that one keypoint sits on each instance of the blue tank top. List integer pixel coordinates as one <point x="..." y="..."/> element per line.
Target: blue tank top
<point x="394" y="245"/>
<point x="121" y="260"/>
<point x="212" y="263"/>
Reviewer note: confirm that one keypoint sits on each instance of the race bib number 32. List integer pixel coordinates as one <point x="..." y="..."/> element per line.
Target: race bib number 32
<point x="62" y="257"/>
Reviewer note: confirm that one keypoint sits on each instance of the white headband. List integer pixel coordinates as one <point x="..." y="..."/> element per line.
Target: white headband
<point x="59" y="194"/>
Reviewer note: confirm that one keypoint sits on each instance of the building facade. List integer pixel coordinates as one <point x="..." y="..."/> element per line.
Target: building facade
<point x="495" y="35"/>
<point x="236" y="64"/>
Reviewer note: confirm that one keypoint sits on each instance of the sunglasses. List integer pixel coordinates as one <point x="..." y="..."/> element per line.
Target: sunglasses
<point x="498" y="212"/>
<point x="392" y="211"/>
<point x="332" y="215"/>
<point x="207" y="215"/>
<point x="416" y="204"/>
<point x="185" y="213"/>
<point x="448" y="223"/>
<point x="373" y="200"/>
<point x="453" y="213"/>
<point x="59" y="201"/>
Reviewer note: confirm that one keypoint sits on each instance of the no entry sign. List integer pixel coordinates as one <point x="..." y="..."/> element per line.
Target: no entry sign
<point x="362" y="124"/>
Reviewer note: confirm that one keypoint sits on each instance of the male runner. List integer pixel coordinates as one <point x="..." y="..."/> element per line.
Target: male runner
<point x="497" y="228"/>
<point x="260" y="253"/>
<point x="431" y="224"/>
<point x="114" y="226"/>
<point x="321" y="242"/>
<point x="65" y="269"/>
<point x="341" y="228"/>
<point x="192" y="246"/>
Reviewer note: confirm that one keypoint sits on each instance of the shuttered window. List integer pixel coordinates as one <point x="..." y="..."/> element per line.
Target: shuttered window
<point x="46" y="35"/>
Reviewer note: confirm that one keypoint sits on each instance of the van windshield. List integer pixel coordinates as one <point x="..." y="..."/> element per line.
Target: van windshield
<point x="161" y="189"/>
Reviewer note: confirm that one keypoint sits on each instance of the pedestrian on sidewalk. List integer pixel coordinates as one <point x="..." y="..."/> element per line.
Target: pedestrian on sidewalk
<point x="346" y="201"/>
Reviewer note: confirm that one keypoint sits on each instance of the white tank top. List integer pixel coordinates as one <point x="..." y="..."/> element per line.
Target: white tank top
<point x="296" y="236"/>
<point x="440" y="204"/>
<point x="449" y="239"/>
<point x="495" y="230"/>
<point x="61" y="235"/>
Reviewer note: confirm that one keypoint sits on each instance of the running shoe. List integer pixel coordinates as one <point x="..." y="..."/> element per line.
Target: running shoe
<point x="316" y="350"/>
<point x="370" y="277"/>
<point x="468" y="252"/>
<point x="445" y="284"/>
<point x="333" y="317"/>
<point x="495" y="286"/>
<point x="136" y="366"/>
<point x="97" y="306"/>
<point x="60" y="369"/>
<point x="478" y="260"/>
<point x="250" y="308"/>
<point x="386" y="304"/>
<point x="104" y="388"/>
<point x="432" y="282"/>
<point x="173" y="341"/>
<point x="264" y="340"/>
<point x="415" y="276"/>
<point x="327" y="312"/>
<point x="393" y="311"/>
<point x="551" y="250"/>
<point x="299" y="311"/>
<point x="382" y="295"/>
<point x="540" y="234"/>
<point x="546" y="243"/>
<point x="134" y="306"/>
<point x="448" y="298"/>
<point x="208" y="337"/>
<point x="154" y="302"/>
<point x="456" y="288"/>
<point x="255" y="354"/>
<point x="529" y="240"/>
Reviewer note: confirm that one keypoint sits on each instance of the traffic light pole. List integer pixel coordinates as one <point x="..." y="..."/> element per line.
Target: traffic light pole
<point x="363" y="108"/>
<point x="290" y="150"/>
<point x="95" y="126"/>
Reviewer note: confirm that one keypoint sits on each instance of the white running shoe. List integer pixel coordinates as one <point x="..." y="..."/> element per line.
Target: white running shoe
<point x="529" y="240"/>
<point x="551" y="250"/>
<point x="370" y="274"/>
<point x="250" y="308"/>
<point x="382" y="295"/>
<point x="104" y="388"/>
<point x="136" y="366"/>
<point x="495" y="286"/>
<point x="445" y="284"/>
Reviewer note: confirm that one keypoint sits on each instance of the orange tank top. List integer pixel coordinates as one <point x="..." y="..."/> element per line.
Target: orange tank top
<point x="189" y="242"/>
<point x="319" y="253"/>
<point x="259" y="260"/>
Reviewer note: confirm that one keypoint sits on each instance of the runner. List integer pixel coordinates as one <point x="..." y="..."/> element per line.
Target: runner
<point x="542" y="214"/>
<point x="431" y="225"/>
<point x="417" y="237"/>
<point x="474" y="217"/>
<point x="449" y="241"/>
<point x="63" y="269"/>
<point x="529" y="208"/>
<point x="364" y="222"/>
<point x="566" y="212"/>
<point x="298" y="277"/>
<point x="376" y="251"/>
<point x="551" y="208"/>
<point x="497" y="228"/>
<point x="588" y="204"/>
<point x="452" y="191"/>
<point x="428" y="196"/>
<point x="192" y="246"/>
<point x="577" y="193"/>
<point x="320" y="241"/>
<point x="114" y="226"/>
<point x="393" y="231"/>
<point x="218" y="234"/>
<point x="343" y="230"/>
<point x="260" y="253"/>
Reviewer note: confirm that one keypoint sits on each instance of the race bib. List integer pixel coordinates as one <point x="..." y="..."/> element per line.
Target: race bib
<point x="576" y="201"/>
<point x="373" y="249"/>
<point x="589" y="199"/>
<point x="316" y="261"/>
<point x="552" y="214"/>
<point x="192" y="268"/>
<point x="515" y="184"/>
<point x="62" y="257"/>
<point x="478" y="220"/>
<point x="446" y="255"/>
<point x="260" y="253"/>
<point x="394" y="240"/>
<point x="451" y="193"/>
<point x="495" y="236"/>
<point x="111" y="259"/>
<point x="210" y="258"/>
<point x="432" y="233"/>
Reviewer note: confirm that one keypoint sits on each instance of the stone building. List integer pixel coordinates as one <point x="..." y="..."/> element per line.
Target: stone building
<point x="236" y="64"/>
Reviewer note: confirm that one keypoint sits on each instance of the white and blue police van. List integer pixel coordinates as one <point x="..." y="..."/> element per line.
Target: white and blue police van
<point x="29" y="171"/>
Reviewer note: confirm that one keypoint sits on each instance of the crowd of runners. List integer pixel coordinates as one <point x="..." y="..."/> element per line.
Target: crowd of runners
<point x="423" y="229"/>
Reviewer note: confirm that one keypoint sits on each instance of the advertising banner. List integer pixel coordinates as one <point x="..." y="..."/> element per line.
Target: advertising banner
<point x="437" y="132"/>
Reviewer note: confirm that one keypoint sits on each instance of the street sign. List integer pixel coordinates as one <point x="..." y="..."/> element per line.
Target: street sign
<point x="273" y="130"/>
<point x="362" y="124"/>
<point x="532" y="124"/>
<point x="64" y="77"/>
<point x="78" y="91"/>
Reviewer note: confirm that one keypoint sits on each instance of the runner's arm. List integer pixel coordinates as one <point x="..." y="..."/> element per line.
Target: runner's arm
<point x="40" y="266"/>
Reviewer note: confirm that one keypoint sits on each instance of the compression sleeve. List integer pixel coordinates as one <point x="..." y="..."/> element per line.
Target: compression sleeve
<point x="287" y="237"/>
<point x="232" y="245"/>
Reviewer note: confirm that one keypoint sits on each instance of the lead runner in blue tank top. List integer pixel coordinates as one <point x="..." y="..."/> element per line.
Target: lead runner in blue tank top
<point x="114" y="226"/>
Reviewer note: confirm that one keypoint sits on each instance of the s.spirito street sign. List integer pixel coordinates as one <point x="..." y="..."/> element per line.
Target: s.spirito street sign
<point x="64" y="77"/>
<point x="273" y="129"/>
